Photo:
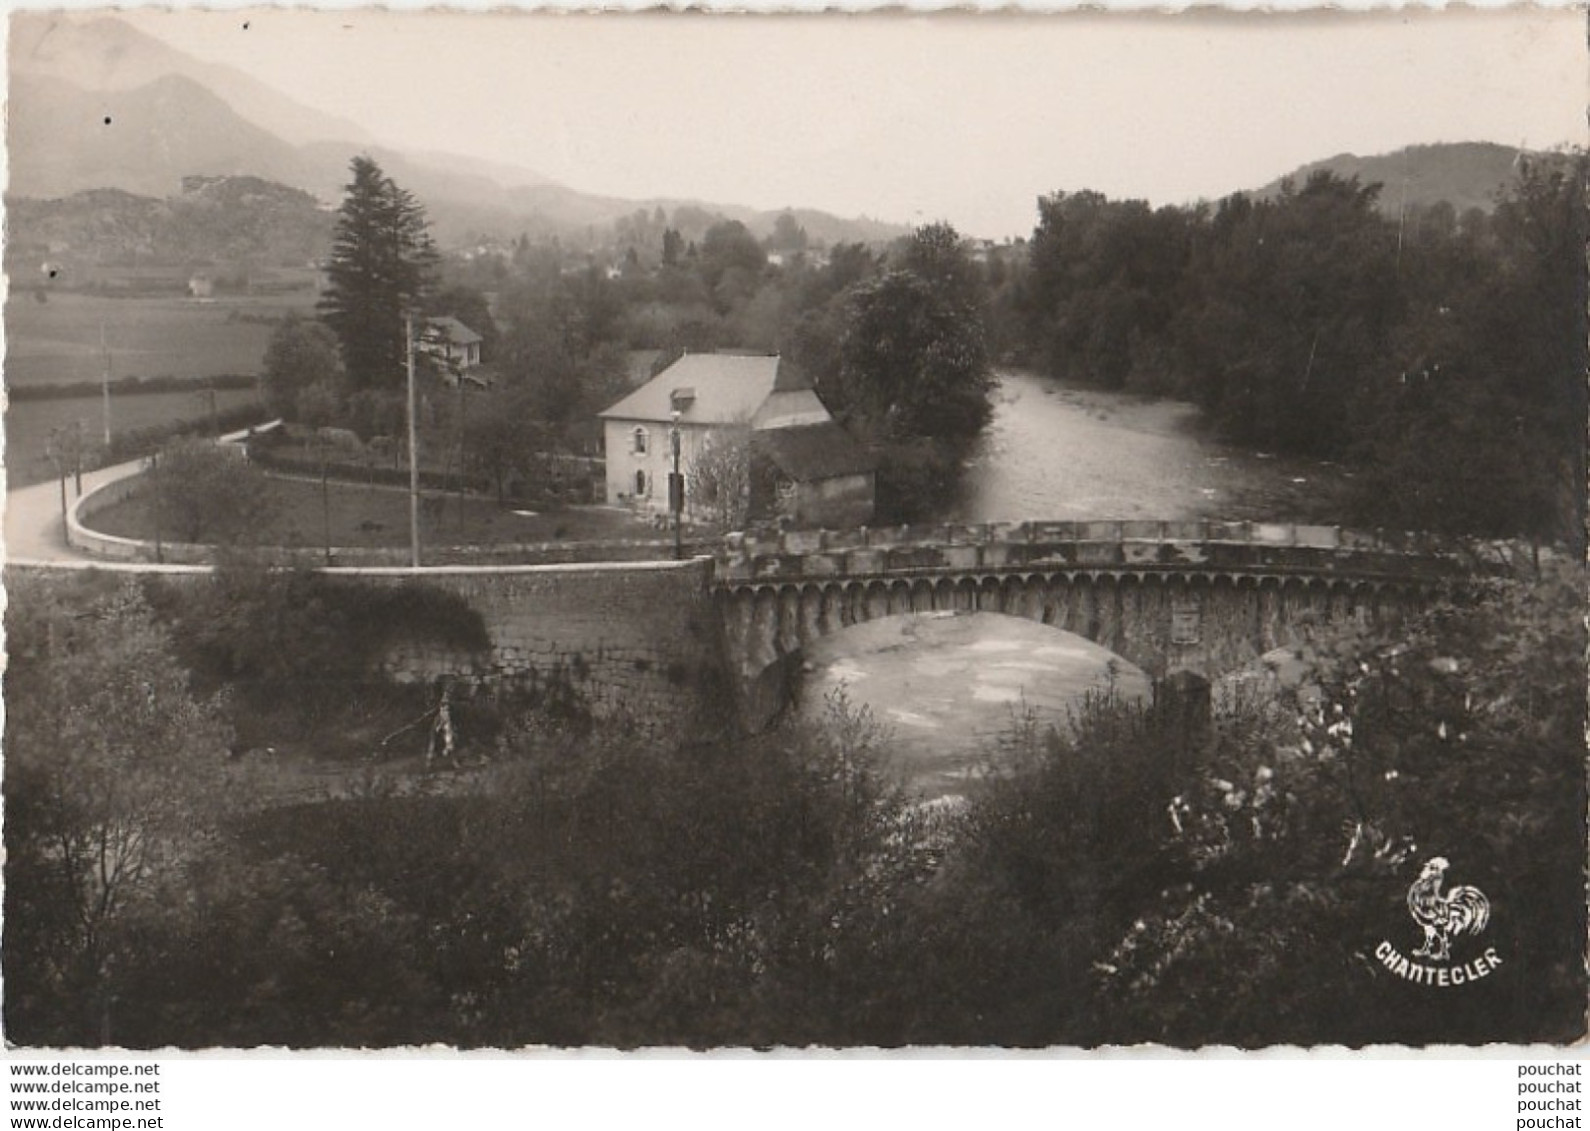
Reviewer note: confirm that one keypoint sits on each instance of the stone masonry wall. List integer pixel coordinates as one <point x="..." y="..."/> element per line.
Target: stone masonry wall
<point x="639" y="639"/>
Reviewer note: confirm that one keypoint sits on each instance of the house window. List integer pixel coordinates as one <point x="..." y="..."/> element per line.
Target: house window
<point x="640" y="483"/>
<point x="640" y="441"/>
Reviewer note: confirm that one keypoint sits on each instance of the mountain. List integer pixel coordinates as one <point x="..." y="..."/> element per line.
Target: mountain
<point x="1463" y="174"/>
<point x="64" y="139"/>
<point x="96" y="104"/>
<point x="106" y="55"/>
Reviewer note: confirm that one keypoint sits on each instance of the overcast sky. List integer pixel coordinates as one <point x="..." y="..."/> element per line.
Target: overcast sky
<point x="965" y="118"/>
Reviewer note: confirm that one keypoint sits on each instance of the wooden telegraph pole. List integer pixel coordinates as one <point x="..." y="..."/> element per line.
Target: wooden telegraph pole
<point x="414" y="467"/>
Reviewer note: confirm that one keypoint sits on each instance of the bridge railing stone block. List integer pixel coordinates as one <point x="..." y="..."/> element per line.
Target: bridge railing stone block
<point x="1274" y="533"/>
<point x="1215" y="531"/>
<point x="846" y="539"/>
<point x="968" y="557"/>
<point x="1318" y="537"/>
<point x="1182" y="531"/>
<point x="1048" y="533"/>
<point x="1142" y="530"/>
<point x="802" y="541"/>
<point x="863" y="562"/>
<point x="997" y="555"/>
<point x="1099" y="532"/>
<point x="1100" y="553"/>
<point x="915" y="557"/>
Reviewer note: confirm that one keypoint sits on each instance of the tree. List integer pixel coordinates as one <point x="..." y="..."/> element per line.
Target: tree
<point x="788" y="235"/>
<point x="112" y="768"/>
<point x="500" y="444"/>
<point x="301" y="355"/>
<point x="672" y="245"/>
<point x="729" y="244"/>
<point x="382" y="261"/>
<point x="210" y="493"/>
<point x="719" y="475"/>
<point x="914" y="361"/>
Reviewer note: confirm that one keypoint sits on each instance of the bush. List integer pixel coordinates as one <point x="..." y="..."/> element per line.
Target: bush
<point x="209" y="493"/>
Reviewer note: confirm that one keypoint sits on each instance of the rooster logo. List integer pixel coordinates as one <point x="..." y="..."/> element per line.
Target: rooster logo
<point x="1462" y="911"/>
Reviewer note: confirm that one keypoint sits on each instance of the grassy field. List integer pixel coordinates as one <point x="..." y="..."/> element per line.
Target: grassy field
<point x="362" y="516"/>
<point x="58" y="341"/>
<point x="28" y="423"/>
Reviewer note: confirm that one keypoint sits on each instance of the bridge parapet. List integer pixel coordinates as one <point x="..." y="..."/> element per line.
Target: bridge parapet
<point x="1129" y="544"/>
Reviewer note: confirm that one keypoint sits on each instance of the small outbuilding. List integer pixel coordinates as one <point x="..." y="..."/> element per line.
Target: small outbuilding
<point x="812" y="475"/>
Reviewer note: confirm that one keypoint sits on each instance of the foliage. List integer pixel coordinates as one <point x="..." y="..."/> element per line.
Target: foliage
<point x="302" y="369"/>
<point x="1441" y="356"/>
<point x="206" y="492"/>
<point x="380" y="269"/>
<point x="112" y="773"/>
<point x="1116" y="879"/>
<point x="1462" y="737"/>
<point x="910" y="371"/>
<point x="303" y="639"/>
<point x="719" y="478"/>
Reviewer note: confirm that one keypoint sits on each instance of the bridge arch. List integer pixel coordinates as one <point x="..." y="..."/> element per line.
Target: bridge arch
<point x="1190" y="618"/>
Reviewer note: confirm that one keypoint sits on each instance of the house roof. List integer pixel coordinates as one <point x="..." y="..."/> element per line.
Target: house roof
<point x="454" y="330"/>
<point x="813" y="451"/>
<point x="790" y="409"/>
<point x="725" y="388"/>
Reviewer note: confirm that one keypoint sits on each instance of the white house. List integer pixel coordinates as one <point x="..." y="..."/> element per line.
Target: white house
<point x="451" y="342"/>
<point x="701" y="394"/>
<point x="709" y="391"/>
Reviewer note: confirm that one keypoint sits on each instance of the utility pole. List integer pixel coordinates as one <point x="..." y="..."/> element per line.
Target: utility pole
<point x="105" y="383"/>
<point x="414" y="467"/>
<point x="676" y="490"/>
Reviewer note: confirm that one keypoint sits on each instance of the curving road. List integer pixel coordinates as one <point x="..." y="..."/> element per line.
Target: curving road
<point x="34" y="528"/>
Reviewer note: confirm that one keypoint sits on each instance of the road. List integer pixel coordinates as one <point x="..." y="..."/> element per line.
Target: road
<point x="34" y="529"/>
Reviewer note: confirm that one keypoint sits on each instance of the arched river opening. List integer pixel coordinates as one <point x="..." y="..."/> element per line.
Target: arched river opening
<point x="948" y="686"/>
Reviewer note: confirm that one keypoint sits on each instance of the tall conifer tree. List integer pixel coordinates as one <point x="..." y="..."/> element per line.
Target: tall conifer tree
<point x="382" y="264"/>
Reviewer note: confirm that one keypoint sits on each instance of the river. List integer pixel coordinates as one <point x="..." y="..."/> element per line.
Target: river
<point x="1057" y="452"/>
<point x="946" y="689"/>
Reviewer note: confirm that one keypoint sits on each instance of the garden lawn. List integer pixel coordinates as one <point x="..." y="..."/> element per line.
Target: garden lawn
<point x="361" y="516"/>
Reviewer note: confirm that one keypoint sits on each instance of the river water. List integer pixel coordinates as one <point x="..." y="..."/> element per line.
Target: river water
<point x="947" y="688"/>
<point x="1058" y="452"/>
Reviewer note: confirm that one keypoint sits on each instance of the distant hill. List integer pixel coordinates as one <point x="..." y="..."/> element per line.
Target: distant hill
<point x="1464" y="174"/>
<point x="223" y="221"/>
<point x="96" y="104"/>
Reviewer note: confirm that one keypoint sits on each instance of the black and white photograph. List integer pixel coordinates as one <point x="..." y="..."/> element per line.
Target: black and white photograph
<point x="804" y="533"/>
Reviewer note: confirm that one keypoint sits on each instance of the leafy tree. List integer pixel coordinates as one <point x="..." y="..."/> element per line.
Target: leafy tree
<point x="209" y="493"/>
<point x="382" y="261"/>
<point x="914" y="364"/>
<point x="673" y="244"/>
<point x="788" y="235"/>
<point x="726" y="245"/>
<point x="112" y="775"/>
<point x="719" y="475"/>
<point x="301" y="355"/>
<point x="501" y="443"/>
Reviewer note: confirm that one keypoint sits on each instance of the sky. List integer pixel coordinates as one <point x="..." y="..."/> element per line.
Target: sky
<point x="912" y="118"/>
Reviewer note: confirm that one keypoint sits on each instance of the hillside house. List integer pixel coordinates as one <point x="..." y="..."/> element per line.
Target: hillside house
<point x="452" y="343"/>
<point x="814" y="472"/>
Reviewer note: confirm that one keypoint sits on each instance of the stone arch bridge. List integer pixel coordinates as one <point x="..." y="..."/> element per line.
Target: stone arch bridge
<point x="1200" y="597"/>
